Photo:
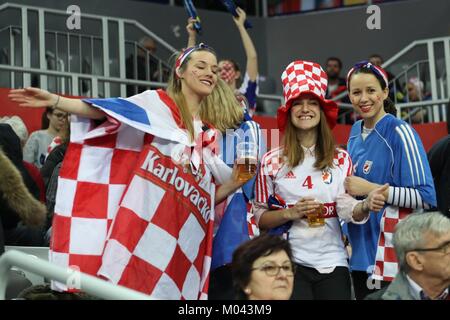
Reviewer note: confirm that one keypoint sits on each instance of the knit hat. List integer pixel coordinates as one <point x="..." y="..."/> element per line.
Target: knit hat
<point x="301" y="77"/>
<point x="18" y="126"/>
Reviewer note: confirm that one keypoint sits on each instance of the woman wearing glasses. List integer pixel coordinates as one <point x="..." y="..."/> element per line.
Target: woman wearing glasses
<point x="384" y="150"/>
<point x="263" y="269"/>
<point x="35" y="150"/>
<point x="304" y="178"/>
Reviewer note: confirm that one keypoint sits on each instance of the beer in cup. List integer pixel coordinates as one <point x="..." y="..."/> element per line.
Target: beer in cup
<point x="246" y="159"/>
<point x="316" y="218"/>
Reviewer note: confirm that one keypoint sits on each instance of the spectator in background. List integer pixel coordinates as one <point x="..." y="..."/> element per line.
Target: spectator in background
<point x="395" y="93"/>
<point x="35" y="150"/>
<point x="439" y="158"/>
<point x="263" y="269"/>
<point x="21" y="131"/>
<point x="138" y="68"/>
<point x="230" y="71"/>
<point x="19" y="207"/>
<point x="415" y="93"/>
<point x="422" y="246"/>
<point x="18" y="126"/>
<point x="336" y="86"/>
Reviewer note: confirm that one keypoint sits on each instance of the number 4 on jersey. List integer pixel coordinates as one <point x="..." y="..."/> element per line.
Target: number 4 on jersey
<point x="308" y="182"/>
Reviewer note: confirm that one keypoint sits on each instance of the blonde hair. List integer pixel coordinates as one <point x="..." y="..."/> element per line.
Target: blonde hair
<point x="221" y="108"/>
<point x="174" y="92"/>
<point x="324" y="150"/>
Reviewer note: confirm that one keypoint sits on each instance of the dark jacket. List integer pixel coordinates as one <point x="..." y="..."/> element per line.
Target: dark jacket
<point x="53" y="159"/>
<point x="18" y="192"/>
<point x="397" y="290"/>
<point x="439" y="159"/>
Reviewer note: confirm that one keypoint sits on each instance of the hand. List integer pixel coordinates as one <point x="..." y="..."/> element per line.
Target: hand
<point x="303" y="207"/>
<point x="357" y="186"/>
<point x="376" y="200"/>
<point x="240" y="19"/>
<point x="32" y="97"/>
<point x="235" y="176"/>
<point x="190" y="28"/>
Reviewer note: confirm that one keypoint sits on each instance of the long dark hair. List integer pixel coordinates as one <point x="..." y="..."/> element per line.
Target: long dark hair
<point x="388" y="104"/>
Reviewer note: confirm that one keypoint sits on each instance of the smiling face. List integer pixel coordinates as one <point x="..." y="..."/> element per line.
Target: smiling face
<point x="199" y="77"/>
<point x="305" y="112"/>
<point x="264" y="286"/>
<point x="367" y="97"/>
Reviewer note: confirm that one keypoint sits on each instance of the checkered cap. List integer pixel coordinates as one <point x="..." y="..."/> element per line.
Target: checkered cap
<point x="302" y="77"/>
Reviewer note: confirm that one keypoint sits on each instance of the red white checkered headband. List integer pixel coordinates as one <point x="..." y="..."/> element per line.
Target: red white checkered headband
<point x="303" y="77"/>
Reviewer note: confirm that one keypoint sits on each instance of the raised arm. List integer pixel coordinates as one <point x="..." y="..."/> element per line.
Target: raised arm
<point x="192" y="34"/>
<point x="250" y="51"/>
<point x="38" y="98"/>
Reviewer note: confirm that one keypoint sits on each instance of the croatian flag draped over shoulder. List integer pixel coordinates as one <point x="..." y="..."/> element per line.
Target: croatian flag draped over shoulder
<point x="127" y="209"/>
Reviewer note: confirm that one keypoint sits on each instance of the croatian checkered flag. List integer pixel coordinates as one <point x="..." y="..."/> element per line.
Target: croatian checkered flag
<point x="128" y="209"/>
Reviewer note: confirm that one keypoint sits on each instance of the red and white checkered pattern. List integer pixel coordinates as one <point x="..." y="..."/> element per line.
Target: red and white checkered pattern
<point x="301" y="77"/>
<point x="386" y="265"/>
<point x="227" y="72"/>
<point x="171" y="233"/>
<point x="253" y="229"/>
<point x="271" y="163"/>
<point x="341" y="157"/>
<point x="88" y="195"/>
<point x="159" y="241"/>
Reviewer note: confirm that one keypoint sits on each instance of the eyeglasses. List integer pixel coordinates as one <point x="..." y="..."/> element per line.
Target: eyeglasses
<point x="60" y="115"/>
<point x="444" y="248"/>
<point x="272" y="270"/>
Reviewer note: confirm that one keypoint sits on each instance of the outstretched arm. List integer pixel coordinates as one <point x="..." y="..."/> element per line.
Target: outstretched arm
<point x="191" y="33"/>
<point x="38" y="98"/>
<point x="250" y="51"/>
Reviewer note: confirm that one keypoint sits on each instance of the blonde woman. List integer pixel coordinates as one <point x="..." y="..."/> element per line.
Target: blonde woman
<point x="141" y="172"/>
<point x="234" y="222"/>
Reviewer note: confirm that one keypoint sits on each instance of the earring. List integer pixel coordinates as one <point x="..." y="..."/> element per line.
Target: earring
<point x="247" y="291"/>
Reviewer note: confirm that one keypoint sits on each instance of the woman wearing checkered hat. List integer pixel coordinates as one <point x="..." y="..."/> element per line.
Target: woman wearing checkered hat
<point x="152" y="160"/>
<point x="384" y="150"/>
<point x="304" y="175"/>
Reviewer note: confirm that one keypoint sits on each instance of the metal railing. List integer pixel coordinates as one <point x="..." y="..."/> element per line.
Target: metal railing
<point x="437" y="78"/>
<point x="69" y="53"/>
<point x="87" y="283"/>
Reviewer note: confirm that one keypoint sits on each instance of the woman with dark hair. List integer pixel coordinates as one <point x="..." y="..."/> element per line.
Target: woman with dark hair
<point x="36" y="148"/>
<point x="384" y="150"/>
<point x="305" y="178"/>
<point x="262" y="269"/>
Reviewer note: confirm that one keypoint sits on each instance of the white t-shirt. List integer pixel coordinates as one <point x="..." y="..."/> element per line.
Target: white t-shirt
<point x="320" y="247"/>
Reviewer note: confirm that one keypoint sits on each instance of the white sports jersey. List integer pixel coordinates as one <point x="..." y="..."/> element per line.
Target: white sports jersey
<point x="320" y="247"/>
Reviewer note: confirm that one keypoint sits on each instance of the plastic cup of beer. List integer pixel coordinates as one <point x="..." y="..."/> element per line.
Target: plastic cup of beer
<point x="316" y="218"/>
<point x="247" y="160"/>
